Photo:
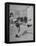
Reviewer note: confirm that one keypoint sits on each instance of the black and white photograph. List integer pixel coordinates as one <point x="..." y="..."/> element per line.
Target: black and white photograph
<point x="19" y="22"/>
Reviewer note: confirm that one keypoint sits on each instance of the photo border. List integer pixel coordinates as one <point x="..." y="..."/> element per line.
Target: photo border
<point x="7" y="21"/>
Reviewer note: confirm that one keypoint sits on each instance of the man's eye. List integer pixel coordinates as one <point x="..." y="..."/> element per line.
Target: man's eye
<point x="29" y="25"/>
<point x="21" y="19"/>
<point x="18" y="18"/>
<point x="17" y="24"/>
